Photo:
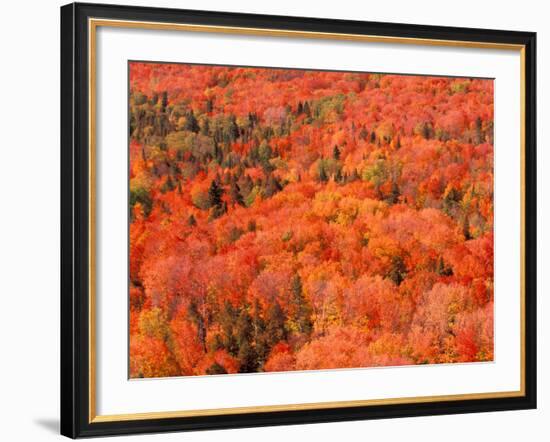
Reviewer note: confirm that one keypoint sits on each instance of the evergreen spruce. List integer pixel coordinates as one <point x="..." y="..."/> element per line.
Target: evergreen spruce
<point x="336" y="153"/>
<point x="235" y="193"/>
<point x="301" y="308"/>
<point x="164" y="102"/>
<point x="191" y="123"/>
<point x="275" y="325"/>
<point x="215" y="193"/>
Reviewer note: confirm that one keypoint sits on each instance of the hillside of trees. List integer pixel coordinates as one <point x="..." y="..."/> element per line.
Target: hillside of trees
<point x="292" y="220"/>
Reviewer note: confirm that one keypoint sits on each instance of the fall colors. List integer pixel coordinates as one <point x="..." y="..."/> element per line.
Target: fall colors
<point x="288" y="219"/>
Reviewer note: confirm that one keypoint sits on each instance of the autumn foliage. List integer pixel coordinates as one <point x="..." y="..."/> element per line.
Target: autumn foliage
<point x="292" y="220"/>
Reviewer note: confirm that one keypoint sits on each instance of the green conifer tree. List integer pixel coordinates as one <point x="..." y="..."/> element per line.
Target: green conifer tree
<point x="301" y="309"/>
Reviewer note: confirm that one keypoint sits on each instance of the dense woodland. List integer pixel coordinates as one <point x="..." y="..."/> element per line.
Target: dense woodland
<point x="295" y="220"/>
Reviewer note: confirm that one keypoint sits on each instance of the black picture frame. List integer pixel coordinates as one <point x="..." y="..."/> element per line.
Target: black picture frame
<point x="75" y="221"/>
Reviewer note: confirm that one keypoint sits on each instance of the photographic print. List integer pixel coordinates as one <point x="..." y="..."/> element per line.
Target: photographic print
<point x="286" y="219"/>
<point x="293" y="220"/>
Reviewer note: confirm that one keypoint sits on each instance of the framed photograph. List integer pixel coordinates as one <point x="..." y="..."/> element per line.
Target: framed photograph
<point x="274" y="220"/>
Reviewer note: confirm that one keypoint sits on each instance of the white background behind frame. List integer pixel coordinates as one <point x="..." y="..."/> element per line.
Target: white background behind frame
<point x="29" y="377"/>
<point x="117" y="395"/>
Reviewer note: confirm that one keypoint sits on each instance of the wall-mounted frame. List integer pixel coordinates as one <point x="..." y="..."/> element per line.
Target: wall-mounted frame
<point x="118" y="63"/>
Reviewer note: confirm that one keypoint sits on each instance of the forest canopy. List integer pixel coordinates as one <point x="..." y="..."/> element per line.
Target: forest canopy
<point x="285" y="219"/>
